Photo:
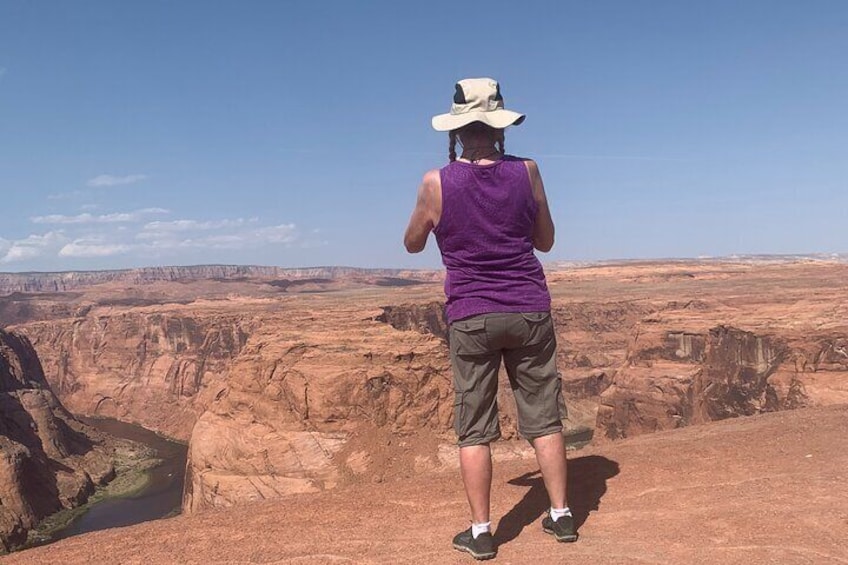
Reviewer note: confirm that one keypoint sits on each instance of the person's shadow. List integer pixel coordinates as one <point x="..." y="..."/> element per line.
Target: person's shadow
<point x="587" y="483"/>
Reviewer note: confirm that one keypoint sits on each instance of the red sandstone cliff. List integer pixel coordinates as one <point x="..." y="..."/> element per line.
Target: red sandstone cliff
<point x="681" y="371"/>
<point x="49" y="460"/>
<point x="155" y="368"/>
<point x="283" y="393"/>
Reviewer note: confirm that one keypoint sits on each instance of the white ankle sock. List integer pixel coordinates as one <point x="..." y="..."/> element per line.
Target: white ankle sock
<point x="557" y="513"/>
<point x="477" y="529"/>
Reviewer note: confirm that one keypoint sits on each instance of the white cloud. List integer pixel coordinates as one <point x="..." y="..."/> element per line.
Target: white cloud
<point x="102" y="181"/>
<point x="20" y="253"/>
<point x="83" y="248"/>
<point x="234" y="241"/>
<point x="32" y="246"/>
<point x="283" y="233"/>
<point x="191" y="225"/>
<point x="61" y="219"/>
<point x="90" y="237"/>
<point x="233" y="234"/>
<point x="86" y="218"/>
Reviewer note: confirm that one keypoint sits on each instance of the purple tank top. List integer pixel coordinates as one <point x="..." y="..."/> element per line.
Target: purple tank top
<point x="485" y="235"/>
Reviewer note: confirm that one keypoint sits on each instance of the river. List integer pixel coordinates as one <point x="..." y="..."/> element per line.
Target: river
<point x="162" y="496"/>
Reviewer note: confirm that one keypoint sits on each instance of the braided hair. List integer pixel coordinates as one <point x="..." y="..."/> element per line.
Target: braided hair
<point x="499" y="141"/>
<point x="452" y="145"/>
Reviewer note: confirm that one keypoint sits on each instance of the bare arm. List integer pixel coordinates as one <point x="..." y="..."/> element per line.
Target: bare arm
<point x="543" y="229"/>
<point x="425" y="216"/>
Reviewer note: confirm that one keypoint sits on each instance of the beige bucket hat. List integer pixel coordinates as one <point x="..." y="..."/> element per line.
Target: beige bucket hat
<point x="477" y="100"/>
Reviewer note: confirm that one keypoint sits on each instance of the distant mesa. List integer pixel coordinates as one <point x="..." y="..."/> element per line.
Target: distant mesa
<point x="278" y="276"/>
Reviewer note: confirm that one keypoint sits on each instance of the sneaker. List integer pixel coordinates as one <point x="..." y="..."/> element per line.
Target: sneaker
<point x="483" y="547"/>
<point x="562" y="529"/>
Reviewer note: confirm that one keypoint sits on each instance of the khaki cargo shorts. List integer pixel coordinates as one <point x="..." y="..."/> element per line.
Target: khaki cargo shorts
<point x="527" y="344"/>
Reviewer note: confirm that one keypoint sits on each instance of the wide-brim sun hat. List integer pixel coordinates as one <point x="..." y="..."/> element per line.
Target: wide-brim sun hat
<point x="477" y="100"/>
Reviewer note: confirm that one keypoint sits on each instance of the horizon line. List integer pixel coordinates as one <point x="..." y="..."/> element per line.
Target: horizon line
<point x="819" y="256"/>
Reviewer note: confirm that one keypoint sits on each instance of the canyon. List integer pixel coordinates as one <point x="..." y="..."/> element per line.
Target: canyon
<point x="297" y="382"/>
<point x="764" y="489"/>
<point x="49" y="460"/>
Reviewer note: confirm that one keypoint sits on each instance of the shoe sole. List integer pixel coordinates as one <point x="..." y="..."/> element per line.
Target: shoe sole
<point x="477" y="556"/>
<point x="562" y="539"/>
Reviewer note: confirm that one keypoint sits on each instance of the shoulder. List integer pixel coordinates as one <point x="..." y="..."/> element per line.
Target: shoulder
<point x="531" y="165"/>
<point x="535" y="176"/>
<point x="431" y="187"/>
<point x="432" y="177"/>
<point x="532" y="170"/>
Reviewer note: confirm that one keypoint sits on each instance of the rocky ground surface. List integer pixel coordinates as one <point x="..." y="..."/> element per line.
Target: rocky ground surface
<point x="769" y="488"/>
<point x="311" y="382"/>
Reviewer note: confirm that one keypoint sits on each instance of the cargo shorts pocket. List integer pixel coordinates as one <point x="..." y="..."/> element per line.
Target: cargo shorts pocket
<point x="562" y="407"/>
<point x="540" y="327"/>
<point x="468" y="337"/>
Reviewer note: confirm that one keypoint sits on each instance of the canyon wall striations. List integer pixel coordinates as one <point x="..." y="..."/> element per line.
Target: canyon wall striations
<point x="48" y="460"/>
<point x="349" y="380"/>
<point x="151" y="368"/>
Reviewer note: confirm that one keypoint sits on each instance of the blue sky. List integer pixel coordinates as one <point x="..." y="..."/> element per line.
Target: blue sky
<point x="295" y="133"/>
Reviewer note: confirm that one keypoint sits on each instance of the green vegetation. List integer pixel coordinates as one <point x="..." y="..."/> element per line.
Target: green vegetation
<point x="133" y="464"/>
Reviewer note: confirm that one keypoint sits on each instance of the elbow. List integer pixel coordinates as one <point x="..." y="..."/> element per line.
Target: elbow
<point x="544" y="246"/>
<point x="415" y="237"/>
<point x="544" y="235"/>
<point x="413" y="246"/>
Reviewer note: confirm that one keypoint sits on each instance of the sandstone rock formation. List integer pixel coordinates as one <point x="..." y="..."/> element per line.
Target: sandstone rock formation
<point x="138" y="364"/>
<point x="48" y="462"/>
<point x="282" y="392"/>
<point x="300" y="391"/>
<point x="684" y="369"/>
<point x="425" y="318"/>
<point x="764" y="489"/>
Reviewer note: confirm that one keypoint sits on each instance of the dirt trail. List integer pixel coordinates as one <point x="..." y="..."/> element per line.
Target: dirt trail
<point x="763" y="489"/>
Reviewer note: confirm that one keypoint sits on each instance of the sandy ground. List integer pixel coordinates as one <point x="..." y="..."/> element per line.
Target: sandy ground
<point x="763" y="489"/>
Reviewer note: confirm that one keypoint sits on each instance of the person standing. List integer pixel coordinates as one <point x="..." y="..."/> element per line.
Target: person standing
<point x="488" y="212"/>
